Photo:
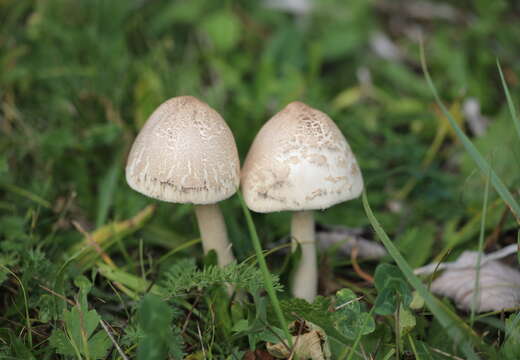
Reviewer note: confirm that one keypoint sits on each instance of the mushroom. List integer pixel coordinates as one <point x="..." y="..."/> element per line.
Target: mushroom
<point x="300" y="161"/>
<point x="186" y="153"/>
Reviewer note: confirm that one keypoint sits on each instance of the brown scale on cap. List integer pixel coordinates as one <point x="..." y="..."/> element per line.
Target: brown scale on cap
<point x="185" y="153"/>
<point x="299" y="160"/>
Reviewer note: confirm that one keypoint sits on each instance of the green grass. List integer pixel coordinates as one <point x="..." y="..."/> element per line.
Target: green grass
<point x="79" y="78"/>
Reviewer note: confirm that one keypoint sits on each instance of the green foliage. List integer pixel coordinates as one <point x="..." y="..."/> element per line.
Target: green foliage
<point x="16" y="348"/>
<point x="407" y="321"/>
<point x="223" y="28"/>
<point x="318" y="313"/>
<point x="501" y="148"/>
<point x="511" y="347"/>
<point x="392" y="289"/>
<point x="257" y="327"/>
<point x="349" y="318"/>
<point x="510" y="102"/>
<point x="158" y="336"/>
<point x="457" y="329"/>
<point x="184" y="276"/>
<point x="77" y="338"/>
<point x="485" y="166"/>
<point x="416" y="244"/>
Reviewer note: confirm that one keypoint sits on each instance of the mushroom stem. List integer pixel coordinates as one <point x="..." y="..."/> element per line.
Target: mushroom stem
<point x="305" y="281"/>
<point x="213" y="232"/>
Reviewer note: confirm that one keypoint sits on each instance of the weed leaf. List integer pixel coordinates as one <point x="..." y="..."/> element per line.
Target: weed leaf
<point x="392" y="288"/>
<point x="349" y="319"/>
<point x="511" y="348"/>
<point x="155" y="320"/>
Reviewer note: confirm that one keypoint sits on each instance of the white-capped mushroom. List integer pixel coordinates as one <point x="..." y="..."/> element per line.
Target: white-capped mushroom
<point x="186" y="153"/>
<point x="300" y="161"/>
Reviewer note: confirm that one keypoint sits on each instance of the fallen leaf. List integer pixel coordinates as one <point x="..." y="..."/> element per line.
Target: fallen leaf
<point x="310" y="344"/>
<point x="345" y="239"/>
<point x="498" y="285"/>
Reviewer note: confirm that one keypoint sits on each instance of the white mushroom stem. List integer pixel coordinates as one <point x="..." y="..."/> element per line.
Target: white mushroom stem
<point x="213" y="232"/>
<point x="305" y="280"/>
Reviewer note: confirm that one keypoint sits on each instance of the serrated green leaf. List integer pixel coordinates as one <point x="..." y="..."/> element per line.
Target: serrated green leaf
<point x="510" y="350"/>
<point x="98" y="345"/>
<point x="154" y="315"/>
<point x="155" y="320"/>
<point x="317" y="313"/>
<point x="80" y="324"/>
<point x="61" y="343"/>
<point x="17" y="348"/>
<point x="77" y="321"/>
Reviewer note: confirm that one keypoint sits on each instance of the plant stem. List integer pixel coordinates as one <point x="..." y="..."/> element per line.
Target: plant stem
<point x="265" y="271"/>
<point x="213" y="232"/>
<point x="305" y="281"/>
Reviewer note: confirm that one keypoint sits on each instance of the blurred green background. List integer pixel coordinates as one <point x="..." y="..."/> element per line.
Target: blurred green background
<point x="79" y="78"/>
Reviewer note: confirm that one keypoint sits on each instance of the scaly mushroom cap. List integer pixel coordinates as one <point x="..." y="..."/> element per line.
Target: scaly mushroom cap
<point x="299" y="160"/>
<point x="185" y="153"/>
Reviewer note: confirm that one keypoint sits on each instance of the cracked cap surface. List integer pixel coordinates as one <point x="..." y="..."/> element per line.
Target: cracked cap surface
<point x="299" y="160"/>
<point x="185" y="153"/>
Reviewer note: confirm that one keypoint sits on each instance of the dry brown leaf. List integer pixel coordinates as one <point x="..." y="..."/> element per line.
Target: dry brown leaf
<point x="498" y="288"/>
<point x="311" y="344"/>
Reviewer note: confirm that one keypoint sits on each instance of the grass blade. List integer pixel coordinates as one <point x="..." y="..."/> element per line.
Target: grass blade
<point x="510" y="102"/>
<point x="460" y="332"/>
<point x="484" y="166"/>
<point x="265" y="271"/>
<point x="26" y="304"/>
<point x="26" y="194"/>
<point x="480" y="250"/>
<point x="106" y="190"/>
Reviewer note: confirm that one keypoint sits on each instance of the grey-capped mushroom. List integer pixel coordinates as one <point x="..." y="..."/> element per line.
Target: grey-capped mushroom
<point x="186" y="153"/>
<point x="300" y="161"/>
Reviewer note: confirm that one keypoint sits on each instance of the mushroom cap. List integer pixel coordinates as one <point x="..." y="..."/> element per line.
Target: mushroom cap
<point x="185" y="153"/>
<point x="299" y="160"/>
